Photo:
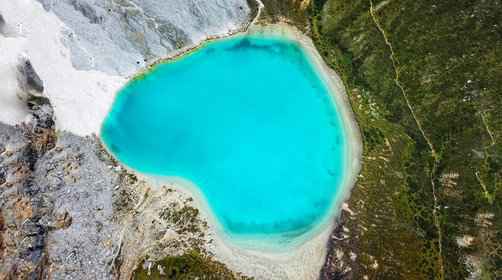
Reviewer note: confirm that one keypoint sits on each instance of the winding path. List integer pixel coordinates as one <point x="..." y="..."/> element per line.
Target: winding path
<point x="435" y="157"/>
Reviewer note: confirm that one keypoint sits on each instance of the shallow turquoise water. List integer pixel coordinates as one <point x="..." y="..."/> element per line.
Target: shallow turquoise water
<point x="249" y="122"/>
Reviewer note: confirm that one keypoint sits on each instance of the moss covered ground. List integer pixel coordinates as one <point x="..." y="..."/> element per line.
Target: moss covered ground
<point x="425" y="82"/>
<point x="191" y="265"/>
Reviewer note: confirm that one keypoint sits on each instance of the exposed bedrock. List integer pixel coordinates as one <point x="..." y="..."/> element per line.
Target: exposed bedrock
<point x="118" y="37"/>
<point x="68" y="210"/>
<point x="22" y="200"/>
<point x="87" y="11"/>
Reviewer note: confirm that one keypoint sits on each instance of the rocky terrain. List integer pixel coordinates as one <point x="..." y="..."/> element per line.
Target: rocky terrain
<point x="120" y="37"/>
<point x="85" y="50"/>
<point x="68" y="209"/>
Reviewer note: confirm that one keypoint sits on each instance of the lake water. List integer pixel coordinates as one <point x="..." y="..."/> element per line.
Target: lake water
<point x="249" y="122"/>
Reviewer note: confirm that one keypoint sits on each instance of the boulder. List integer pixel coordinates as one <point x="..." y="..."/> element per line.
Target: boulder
<point x="2" y="22"/>
<point x="30" y="84"/>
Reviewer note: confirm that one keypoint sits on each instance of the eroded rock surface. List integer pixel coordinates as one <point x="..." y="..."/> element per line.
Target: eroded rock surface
<point x="118" y="37"/>
<point x="23" y="201"/>
<point x="70" y="211"/>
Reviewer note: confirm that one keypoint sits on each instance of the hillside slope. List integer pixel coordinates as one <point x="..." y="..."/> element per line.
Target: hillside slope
<point x="424" y="78"/>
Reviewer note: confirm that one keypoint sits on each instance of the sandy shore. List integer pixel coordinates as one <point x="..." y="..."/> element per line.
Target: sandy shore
<point x="304" y="258"/>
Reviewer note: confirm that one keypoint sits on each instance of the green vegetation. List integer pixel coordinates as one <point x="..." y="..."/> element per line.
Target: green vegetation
<point x="186" y="219"/>
<point x="192" y="265"/>
<point x="294" y="11"/>
<point x="425" y="82"/>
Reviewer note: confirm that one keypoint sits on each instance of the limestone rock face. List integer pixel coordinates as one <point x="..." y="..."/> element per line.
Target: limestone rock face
<point x="68" y="210"/>
<point x="22" y="198"/>
<point x="85" y="50"/>
<point x="118" y="37"/>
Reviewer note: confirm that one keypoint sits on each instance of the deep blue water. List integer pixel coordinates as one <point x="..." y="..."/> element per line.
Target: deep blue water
<point x="249" y="122"/>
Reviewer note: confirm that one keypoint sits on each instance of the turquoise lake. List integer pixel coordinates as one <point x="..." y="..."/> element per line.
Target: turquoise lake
<point x="247" y="120"/>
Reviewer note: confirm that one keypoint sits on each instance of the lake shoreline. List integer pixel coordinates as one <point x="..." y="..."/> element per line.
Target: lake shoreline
<point x="304" y="258"/>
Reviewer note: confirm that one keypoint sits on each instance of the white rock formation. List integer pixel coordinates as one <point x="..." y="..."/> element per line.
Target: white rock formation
<point x="84" y="50"/>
